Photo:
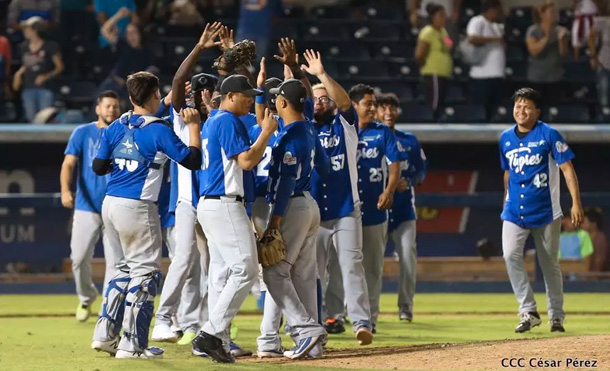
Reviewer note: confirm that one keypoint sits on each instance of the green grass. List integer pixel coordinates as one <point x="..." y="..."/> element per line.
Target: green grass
<point x="60" y="343"/>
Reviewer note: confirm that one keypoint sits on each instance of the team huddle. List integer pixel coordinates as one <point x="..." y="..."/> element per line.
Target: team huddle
<point x="298" y="199"/>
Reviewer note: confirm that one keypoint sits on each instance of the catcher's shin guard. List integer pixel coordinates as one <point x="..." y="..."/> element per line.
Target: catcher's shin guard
<point x="109" y="323"/>
<point x="139" y="308"/>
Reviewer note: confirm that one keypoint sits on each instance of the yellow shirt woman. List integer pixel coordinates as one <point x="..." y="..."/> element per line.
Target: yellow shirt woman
<point x="438" y="61"/>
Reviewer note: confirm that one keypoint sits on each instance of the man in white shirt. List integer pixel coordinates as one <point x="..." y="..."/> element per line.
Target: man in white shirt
<point x="487" y="77"/>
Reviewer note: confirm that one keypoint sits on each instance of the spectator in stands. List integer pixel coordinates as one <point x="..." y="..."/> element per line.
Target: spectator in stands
<point x="574" y="243"/>
<point x="584" y="11"/>
<point x="21" y="10"/>
<point x="77" y="21"/>
<point x="419" y="16"/>
<point x="184" y="13"/>
<point x="593" y="223"/>
<point x="547" y="43"/>
<point x="5" y="66"/>
<point x="433" y="52"/>
<point x="255" y="19"/>
<point x="487" y="78"/>
<point x="41" y="64"/>
<point x="132" y="56"/>
<point x="105" y="9"/>
<point x="600" y="59"/>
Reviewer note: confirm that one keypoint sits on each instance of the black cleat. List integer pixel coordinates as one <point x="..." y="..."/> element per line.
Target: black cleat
<point x="557" y="325"/>
<point x="212" y="346"/>
<point x="334" y="326"/>
<point x="528" y="321"/>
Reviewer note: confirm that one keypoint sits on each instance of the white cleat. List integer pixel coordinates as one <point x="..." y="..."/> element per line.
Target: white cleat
<point x="109" y="346"/>
<point x="163" y="333"/>
<point x="274" y="353"/>
<point x="148" y="353"/>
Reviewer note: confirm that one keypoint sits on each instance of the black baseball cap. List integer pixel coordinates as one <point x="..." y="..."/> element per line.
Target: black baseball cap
<point x="293" y="90"/>
<point x="238" y="84"/>
<point x="203" y="81"/>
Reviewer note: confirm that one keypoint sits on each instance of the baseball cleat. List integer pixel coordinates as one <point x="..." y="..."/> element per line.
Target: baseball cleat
<point x="109" y="346"/>
<point x="237" y="351"/>
<point x="148" y="353"/>
<point x="334" y="326"/>
<point x="301" y="350"/>
<point x="528" y="321"/>
<point x="187" y="338"/>
<point x="316" y="352"/>
<point x="405" y="315"/>
<point x="274" y="353"/>
<point x="364" y="335"/>
<point x="557" y="325"/>
<point x="212" y="345"/>
<point x="163" y="333"/>
<point x="83" y="312"/>
<point x="197" y="352"/>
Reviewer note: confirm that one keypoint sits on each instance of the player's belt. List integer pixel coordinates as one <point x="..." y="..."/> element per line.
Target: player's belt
<point x="237" y="198"/>
<point x="299" y="194"/>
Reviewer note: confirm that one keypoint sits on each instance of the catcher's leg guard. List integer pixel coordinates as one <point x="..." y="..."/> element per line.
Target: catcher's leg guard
<point x="109" y="323"/>
<point x="139" y="307"/>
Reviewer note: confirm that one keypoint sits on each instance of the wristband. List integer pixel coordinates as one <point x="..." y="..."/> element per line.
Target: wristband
<point x="261" y="99"/>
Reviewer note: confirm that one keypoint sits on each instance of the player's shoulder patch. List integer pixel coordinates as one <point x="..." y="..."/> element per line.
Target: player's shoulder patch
<point x="561" y="147"/>
<point x="289" y="159"/>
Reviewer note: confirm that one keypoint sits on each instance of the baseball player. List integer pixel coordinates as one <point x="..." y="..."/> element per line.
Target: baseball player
<point x="134" y="149"/>
<point x="402" y="227"/>
<point x="87" y="226"/>
<point x="295" y="213"/>
<point x="379" y="156"/>
<point x="186" y="263"/>
<point x="227" y="154"/>
<point x="531" y="155"/>
<point x="337" y="194"/>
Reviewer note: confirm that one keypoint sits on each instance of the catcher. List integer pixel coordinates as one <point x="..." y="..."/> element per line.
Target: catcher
<point x="287" y="250"/>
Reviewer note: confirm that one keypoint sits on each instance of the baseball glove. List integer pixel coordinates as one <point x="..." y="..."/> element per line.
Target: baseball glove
<point x="240" y="54"/>
<point x="271" y="248"/>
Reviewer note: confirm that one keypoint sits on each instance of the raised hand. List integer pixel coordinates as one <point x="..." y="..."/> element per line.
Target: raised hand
<point x="226" y="39"/>
<point x="289" y="52"/>
<point x="262" y="74"/>
<point x="269" y="123"/>
<point x="210" y="32"/>
<point x="314" y="63"/>
<point x="190" y="116"/>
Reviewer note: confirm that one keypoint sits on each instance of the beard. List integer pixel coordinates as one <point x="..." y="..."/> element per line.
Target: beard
<point x="106" y="121"/>
<point x="323" y="117"/>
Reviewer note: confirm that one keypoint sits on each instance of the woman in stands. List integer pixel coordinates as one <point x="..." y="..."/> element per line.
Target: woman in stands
<point x="547" y="43"/>
<point x="433" y="52"/>
<point x="41" y="64"/>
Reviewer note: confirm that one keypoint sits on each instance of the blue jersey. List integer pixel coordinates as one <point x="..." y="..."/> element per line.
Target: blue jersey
<point x="165" y="212"/>
<point x="377" y="148"/>
<point x="185" y="182"/>
<point x="223" y="137"/>
<point x="90" y="188"/>
<point x="414" y="170"/>
<point x="248" y="120"/>
<point x="292" y="161"/>
<point x="153" y="141"/>
<point x="337" y="193"/>
<point x="532" y="199"/>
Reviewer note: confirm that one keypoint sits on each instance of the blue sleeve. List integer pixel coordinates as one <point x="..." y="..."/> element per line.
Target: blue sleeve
<point x="503" y="162"/>
<point x="169" y="143"/>
<point x="100" y="7"/>
<point x="287" y="160"/>
<point x="75" y="144"/>
<point x="420" y="162"/>
<point x="321" y="159"/>
<point x="308" y="112"/>
<point x="104" y="151"/>
<point x="561" y="151"/>
<point x="232" y="140"/>
<point x="162" y="110"/>
<point x="350" y="116"/>
<point x="254" y="133"/>
<point x="392" y="152"/>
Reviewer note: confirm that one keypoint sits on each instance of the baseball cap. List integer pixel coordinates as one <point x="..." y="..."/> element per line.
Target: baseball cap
<point x="238" y="84"/>
<point x="293" y="90"/>
<point x="30" y="22"/>
<point x="203" y="81"/>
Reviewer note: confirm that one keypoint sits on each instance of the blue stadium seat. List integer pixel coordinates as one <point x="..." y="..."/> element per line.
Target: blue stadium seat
<point x="402" y="90"/>
<point x="578" y="71"/>
<point x="331" y="12"/>
<point x="502" y="114"/>
<point x="568" y="113"/>
<point x="408" y="69"/>
<point x="392" y="50"/>
<point x="465" y="113"/>
<point x="415" y="113"/>
<point x="78" y="94"/>
<point x="603" y="115"/>
<point x="516" y="71"/>
<point x="460" y="71"/>
<point x="376" y="11"/>
<point x="361" y="70"/>
<point x="182" y="31"/>
<point x="468" y="11"/>
<point x="177" y="49"/>
<point x="293" y="11"/>
<point x="455" y="94"/>
<point x="520" y="17"/>
<point x="218" y="13"/>
<point x="377" y="31"/>
<point x="284" y="28"/>
<point x="325" y="31"/>
<point x="342" y="51"/>
<point x="8" y="113"/>
<point x="515" y="53"/>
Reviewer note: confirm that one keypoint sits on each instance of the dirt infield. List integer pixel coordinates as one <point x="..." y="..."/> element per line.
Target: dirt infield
<point x="556" y="353"/>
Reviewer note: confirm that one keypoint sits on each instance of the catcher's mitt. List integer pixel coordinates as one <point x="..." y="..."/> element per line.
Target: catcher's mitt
<point x="240" y="54"/>
<point x="271" y="248"/>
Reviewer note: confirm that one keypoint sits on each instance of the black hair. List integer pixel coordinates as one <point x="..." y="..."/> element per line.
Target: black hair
<point x="358" y="91"/>
<point x="141" y="86"/>
<point x="387" y="98"/>
<point x="107" y="94"/>
<point x="529" y="94"/>
<point x="433" y="8"/>
<point x="595" y="216"/>
<point x="490" y="4"/>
